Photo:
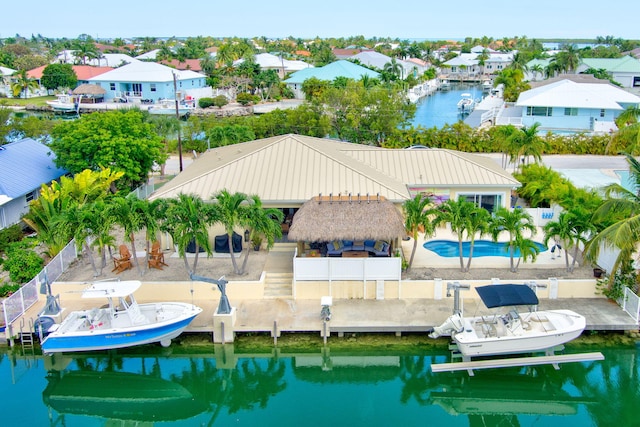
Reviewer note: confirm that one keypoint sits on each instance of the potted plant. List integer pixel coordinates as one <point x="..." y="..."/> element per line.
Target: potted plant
<point x="256" y="241"/>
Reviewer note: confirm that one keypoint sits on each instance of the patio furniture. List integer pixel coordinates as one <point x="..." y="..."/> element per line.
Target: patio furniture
<point x="376" y="247"/>
<point x="156" y="257"/>
<point x="124" y="262"/>
<point x="222" y="243"/>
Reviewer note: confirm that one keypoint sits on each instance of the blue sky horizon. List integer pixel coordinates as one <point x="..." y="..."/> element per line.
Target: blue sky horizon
<point x="546" y="19"/>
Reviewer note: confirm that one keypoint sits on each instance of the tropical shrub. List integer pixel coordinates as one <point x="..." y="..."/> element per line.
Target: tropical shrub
<point x="9" y="235"/>
<point x="220" y="101"/>
<point x="205" y="102"/>
<point x="245" y="98"/>
<point x="22" y="263"/>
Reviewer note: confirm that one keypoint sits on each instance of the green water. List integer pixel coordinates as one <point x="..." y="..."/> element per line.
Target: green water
<point x="316" y="389"/>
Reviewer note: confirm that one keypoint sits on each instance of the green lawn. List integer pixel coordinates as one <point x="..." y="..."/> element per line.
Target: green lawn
<point x="20" y="102"/>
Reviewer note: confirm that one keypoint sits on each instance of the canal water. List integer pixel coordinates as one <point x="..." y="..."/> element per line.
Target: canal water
<point x="314" y="389"/>
<point x="441" y="107"/>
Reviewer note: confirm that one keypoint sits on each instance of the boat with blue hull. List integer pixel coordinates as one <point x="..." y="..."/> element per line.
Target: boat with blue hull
<point x="119" y="324"/>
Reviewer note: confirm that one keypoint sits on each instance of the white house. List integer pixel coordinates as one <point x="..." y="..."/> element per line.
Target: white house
<point x="24" y="166"/>
<point x="151" y="82"/>
<point x="5" y="87"/>
<point x="625" y="70"/>
<point x="569" y="106"/>
<point x="283" y="66"/>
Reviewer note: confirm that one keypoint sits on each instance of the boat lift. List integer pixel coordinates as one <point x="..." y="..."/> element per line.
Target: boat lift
<point x="549" y="358"/>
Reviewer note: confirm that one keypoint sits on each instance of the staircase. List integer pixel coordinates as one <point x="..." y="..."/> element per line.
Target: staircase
<point x="278" y="281"/>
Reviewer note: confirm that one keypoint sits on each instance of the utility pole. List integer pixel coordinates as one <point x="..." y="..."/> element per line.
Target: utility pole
<point x="175" y="97"/>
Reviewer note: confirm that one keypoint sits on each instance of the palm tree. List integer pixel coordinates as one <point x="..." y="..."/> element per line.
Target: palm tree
<point x="536" y="69"/>
<point x="128" y="213"/>
<point x="620" y="214"/>
<point x="515" y="222"/>
<point x="262" y="223"/>
<point x="464" y="218"/>
<point x="417" y="219"/>
<point x="231" y="213"/>
<point x="526" y="143"/>
<point x="571" y="229"/>
<point x="23" y="84"/>
<point x="394" y="68"/>
<point x="187" y="219"/>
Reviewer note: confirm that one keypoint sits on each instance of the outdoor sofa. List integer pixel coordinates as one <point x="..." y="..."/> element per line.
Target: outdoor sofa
<point x="375" y="247"/>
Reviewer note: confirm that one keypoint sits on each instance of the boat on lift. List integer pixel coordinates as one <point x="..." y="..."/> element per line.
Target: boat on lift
<point x="466" y="103"/>
<point x="512" y="332"/>
<point x="64" y="104"/>
<point x="121" y="323"/>
<point x="167" y="107"/>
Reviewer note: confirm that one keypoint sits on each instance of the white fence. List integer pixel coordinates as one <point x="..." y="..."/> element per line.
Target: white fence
<point x="27" y="295"/>
<point x="630" y="303"/>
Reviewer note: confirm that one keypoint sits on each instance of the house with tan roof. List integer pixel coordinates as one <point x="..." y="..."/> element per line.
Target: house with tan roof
<point x="288" y="170"/>
<point x="83" y="72"/>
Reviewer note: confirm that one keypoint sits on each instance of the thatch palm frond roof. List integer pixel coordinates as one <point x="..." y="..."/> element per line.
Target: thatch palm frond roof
<point x="323" y="219"/>
<point x="89" y="89"/>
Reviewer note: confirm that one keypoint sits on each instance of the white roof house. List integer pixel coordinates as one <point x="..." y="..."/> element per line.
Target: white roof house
<point x="149" y="80"/>
<point x="378" y="60"/>
<point x="566" y="105"/>
<point x="105" y="60"/>
<point x="148" y="56"/>
<point x="268" y="61"/>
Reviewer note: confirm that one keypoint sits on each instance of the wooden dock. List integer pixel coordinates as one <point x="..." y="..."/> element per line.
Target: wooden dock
<point x="554" y="360"/>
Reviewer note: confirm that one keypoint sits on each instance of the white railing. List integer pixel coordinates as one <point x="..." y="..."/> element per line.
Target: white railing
<point x="15" y="305"/>
<point x="335" y="268"/>
<point x="630" y="303"/>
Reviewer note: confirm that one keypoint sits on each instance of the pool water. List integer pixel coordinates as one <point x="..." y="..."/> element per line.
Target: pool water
<point x="449" y="248"/>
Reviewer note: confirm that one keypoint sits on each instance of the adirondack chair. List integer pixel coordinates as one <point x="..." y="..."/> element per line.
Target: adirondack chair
<point x="156" y="257"/>
<point x="124" y="262"/>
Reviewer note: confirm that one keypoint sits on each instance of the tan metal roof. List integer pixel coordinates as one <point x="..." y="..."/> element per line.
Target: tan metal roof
<point x="436" y="167"/>
<point x="294" y="168"/>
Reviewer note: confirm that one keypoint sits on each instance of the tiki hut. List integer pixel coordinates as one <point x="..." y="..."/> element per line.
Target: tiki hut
<point x="327" y="218"/>
<point x="89" y="93"/>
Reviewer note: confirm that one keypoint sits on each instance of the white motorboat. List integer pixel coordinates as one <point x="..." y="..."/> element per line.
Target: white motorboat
<point x="121" y="323"/>
<point x="444" y="85"/>
<point x="64" y="104"/>
<point x="511" y="332"/>
<point x="466" y="104"/>
<point x="168" y="107"/>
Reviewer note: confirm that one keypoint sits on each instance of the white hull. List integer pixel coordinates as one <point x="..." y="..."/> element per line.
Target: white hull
<point x="530" y="332"/>
<point x="62" y="106"/>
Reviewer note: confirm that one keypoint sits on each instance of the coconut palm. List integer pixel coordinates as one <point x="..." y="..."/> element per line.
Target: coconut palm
<point x="514" y="222"/>
<point x="620" y="214"/>
<point x="572" y="229"/>
<point x="22" y="84"/>
<point x="417" y="219"/>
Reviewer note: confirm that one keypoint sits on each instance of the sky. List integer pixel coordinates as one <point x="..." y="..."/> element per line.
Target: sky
<point x="409" y="19"/>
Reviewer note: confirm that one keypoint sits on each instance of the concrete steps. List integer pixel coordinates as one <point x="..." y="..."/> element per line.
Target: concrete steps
<point x="278" y="285"/>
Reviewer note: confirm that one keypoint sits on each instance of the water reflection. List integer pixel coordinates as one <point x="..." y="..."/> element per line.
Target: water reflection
<point x="344" y="388"/>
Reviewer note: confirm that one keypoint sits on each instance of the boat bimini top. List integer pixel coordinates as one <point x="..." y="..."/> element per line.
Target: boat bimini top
<point x="506" y="295"/>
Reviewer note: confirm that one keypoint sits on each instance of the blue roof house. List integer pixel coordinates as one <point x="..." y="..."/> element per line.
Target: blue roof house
<point x="151" y="82"/>
<point x="329" y="72"/>
<point x="24" y="166"/>
<point x="568" y="106"/>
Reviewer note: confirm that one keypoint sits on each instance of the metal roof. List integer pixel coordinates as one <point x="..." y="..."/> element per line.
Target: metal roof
<point x="141" y="71"/>
<point x="24" y="166"/>
<point x="569" y="94"/>
<point x="626" y="64"/>
<point x="329" y="72"/>
<point x="294" y="168"/>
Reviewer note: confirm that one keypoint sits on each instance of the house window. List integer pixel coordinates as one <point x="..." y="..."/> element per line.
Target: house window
<point x="636" y="81"/>
<point x="602" y="112"/>
<point x="539" y="111"/>
<point x="153" y="87"/>
<point x="490" y="202"/>
<point x="112" y="86"/>
<point x="30" y="196"/>
<point x="570" y="111"/>
<point x="137" y="89"/>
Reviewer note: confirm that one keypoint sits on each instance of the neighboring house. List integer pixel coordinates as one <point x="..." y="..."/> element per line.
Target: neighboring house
<point x="285" y="171"/>
<point x="345" y="53"/>
<point x="569" y="106"/>
<point x="536" y="69"/>
<point x="625" y="70"/>
<point x="283" y="66"/>
<point x="463" y="65"/>
<point x="151" y="82"/>
<point x="105" y="60"/>
<point x="5" y="86"/>
<point x="329" y="72"/>
<point x="496" y="62"/>
<point x="83" y="72"/>
<point x="371" y="58"/>
<point x="148" y="56"/>
<point x="24" y="166"/>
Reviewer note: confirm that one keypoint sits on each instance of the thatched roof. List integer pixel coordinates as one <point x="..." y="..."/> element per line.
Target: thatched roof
<point x="89" y="89"/>
<point x="323" y="219"/>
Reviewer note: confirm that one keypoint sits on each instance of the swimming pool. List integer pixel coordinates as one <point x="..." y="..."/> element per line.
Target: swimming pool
<point x="449" y="248"/>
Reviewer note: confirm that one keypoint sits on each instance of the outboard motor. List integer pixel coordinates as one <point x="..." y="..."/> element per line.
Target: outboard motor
<point x="42" y="325"/>
<point x="454" y="323"/>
